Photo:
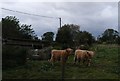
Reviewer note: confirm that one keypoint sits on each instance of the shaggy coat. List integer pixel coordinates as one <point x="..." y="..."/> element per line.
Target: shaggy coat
<point x="90" y="56"/>
<point x="84" y="56"/>
<point x="60" y="55"/>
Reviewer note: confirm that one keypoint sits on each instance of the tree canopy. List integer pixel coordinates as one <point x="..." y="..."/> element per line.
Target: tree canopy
<point x="11" y="28"/>
<point x="70" y="36"/>
<point x="48" y="36"/>
<point x="109" y="36"/>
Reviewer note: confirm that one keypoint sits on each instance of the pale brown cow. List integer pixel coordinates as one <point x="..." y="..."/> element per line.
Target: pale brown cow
<point x="90" y="56"/>
<point x="60" y="55"/>
<point x="84" y="56"/>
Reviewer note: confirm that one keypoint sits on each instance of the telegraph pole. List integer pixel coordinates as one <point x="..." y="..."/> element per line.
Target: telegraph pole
<point x="60" y="22"/>
<point x="62" y="64"/>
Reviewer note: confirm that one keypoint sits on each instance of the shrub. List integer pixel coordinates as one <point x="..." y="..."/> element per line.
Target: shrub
<point x="57" y="47"/>
<point x="13" y="56"/>
<point x="40" y="54"/>
<point x="84" y="47"/>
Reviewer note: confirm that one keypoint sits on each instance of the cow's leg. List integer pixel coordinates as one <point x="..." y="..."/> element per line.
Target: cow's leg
<point x="79" y="60"/>
<point x="89" y="62"/>
<point x="84" y="61"/>
<point x="52" y="60"/>
<point x="75" y="59"/>
<point x="62" y="60"/>
<point x="58" y="59"/>
<point x="66" y="59"/>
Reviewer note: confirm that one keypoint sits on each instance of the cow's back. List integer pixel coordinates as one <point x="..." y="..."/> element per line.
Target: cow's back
<point x="56" y="53"/>
<point x="80" y="53"/>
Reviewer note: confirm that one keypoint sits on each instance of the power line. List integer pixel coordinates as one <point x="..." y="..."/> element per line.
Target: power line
<point x="28" y="13"/>
<point x="32" y="14"/>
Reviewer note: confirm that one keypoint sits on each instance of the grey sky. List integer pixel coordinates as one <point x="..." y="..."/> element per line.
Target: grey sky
<point x="93" y="17"/>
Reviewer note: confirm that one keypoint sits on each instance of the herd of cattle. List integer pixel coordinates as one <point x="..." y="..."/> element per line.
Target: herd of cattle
<point x="80" y="55"/>
<point x="84" y="56"/>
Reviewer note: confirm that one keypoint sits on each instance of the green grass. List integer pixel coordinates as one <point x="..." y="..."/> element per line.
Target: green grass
<point x="104" y="66"/>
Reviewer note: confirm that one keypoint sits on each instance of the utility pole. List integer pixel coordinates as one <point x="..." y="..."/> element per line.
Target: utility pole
<point x="60" y="22"/>
<point x="62" y="64"/>
<point x="63" y="71"/>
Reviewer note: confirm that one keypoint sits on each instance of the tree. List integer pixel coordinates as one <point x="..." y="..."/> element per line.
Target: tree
<point x="118" y="40"/>
<point x="48" y="36"/>
<point x="109" y="36"/>
<point x="66" y="35"/>
<point x="11" y="28"/>
<point x="84" y="38"/>
<point x="75" y="29"/>
<point x="70" y="36"/>
<point x="28" y="32"/>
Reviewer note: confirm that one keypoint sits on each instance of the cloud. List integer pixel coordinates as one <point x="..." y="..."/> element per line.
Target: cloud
<point x="60" y="1"/>
<point x="93" y="17"/>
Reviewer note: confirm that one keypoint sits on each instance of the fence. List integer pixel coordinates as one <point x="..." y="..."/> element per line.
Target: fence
<point x="36" y="44"/>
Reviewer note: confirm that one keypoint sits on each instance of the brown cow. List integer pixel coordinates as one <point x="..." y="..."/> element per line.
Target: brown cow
<point x="83" y="55"/>
<point x="90" y="56"/>
<point x="60" y="55"/>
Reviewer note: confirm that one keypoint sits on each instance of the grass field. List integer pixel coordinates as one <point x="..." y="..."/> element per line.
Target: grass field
<point x="104" y="66"/>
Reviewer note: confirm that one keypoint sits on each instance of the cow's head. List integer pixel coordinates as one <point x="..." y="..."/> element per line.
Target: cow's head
<point x="69" y="50"/>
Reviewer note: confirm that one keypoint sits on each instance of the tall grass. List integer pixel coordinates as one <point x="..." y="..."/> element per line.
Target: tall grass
<point x="104" y="66"/>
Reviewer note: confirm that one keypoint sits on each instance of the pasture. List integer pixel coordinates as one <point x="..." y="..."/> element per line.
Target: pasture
<point x="104" y="66"/>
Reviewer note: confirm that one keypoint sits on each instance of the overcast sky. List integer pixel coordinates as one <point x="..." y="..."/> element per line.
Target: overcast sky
<point x="93" y="17"/>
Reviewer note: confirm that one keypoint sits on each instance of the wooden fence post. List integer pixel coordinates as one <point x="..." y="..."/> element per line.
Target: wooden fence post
<point x="63" y="71"/>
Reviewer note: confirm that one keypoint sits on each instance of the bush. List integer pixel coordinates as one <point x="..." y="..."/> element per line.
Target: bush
<point x="40" y="54"/>
<point x="45" y="53"/>
<point x="84" y="47"/>
<point x="13" y="56"/>
<point x="57" y="47"/>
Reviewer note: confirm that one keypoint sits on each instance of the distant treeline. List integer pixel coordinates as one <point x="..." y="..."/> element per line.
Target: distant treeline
<point x="69" y="35"/>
